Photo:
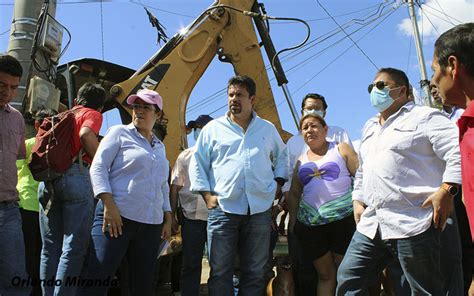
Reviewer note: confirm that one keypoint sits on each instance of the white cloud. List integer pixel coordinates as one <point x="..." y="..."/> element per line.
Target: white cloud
<point x="443" y="14"/>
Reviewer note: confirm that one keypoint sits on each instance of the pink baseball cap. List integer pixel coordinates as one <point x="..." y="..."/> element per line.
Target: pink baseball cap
<point x="147" y="95"/>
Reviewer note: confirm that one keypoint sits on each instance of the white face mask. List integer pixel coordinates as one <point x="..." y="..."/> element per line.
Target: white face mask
<point x="196" y="133"/>
<point x="320" y="113"/>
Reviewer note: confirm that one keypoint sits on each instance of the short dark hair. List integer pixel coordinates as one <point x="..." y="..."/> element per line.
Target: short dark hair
<point x="10" y="65"/>
<point x="41" y="114"/>
<point x="398" y="76"/>
<point x="314" y="96"/>
<point x="458" y="42"/>
<point x="91" y="95"/>
<point x="245" y="81"/>
<point x="317" y="117"/>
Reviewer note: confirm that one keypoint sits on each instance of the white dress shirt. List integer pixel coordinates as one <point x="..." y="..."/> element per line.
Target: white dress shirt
<point x="403" y="162"/>
<point x="193" y="204"/>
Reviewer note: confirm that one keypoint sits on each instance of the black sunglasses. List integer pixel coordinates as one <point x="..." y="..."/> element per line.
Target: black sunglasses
<point x="379" y="84"/>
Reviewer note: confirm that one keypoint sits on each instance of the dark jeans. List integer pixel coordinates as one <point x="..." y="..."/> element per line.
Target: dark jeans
<point x="454" y="262"/>
<point x="32" y="238"/>
<point x="466" y="241"/>
<point x="12" y="251"/>
<point x="245" y="235"/>
<point x="366" y="258"/>
<point x="450" y="263"/>
<point x="304" y="273"/>
<point x="194" y="234"/>
<point x="142" y="242"/>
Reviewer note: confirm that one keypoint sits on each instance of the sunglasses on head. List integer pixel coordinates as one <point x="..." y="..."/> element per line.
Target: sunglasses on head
<point x="379" y="84"/>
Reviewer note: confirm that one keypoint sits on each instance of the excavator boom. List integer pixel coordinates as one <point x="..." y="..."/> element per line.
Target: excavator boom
<point x="222" y="30"/>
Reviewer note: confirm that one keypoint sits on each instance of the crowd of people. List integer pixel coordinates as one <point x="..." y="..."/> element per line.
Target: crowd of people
<point x="398" y="213"/>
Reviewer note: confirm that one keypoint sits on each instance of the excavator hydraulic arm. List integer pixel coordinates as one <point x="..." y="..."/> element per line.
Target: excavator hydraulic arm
<point x="176" y="68"/>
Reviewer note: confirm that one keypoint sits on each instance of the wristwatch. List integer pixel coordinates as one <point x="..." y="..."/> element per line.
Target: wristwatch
<point x="450" y="189"/>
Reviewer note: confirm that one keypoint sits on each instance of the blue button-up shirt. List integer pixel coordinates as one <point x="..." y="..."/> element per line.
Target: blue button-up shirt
<point x="135" y="172"/>
<point x="239" y="166"/>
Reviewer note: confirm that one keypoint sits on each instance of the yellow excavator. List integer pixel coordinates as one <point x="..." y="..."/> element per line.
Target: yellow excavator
<point x="227" y="29"/>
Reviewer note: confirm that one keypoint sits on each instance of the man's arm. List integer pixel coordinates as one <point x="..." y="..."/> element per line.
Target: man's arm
<point x="443" y="135"/>
<point x="22" y="147"/>
<point x="89" y="141"/>
<point x="174" y="190"/>
<point x="209" y="198"/>
<point x="200" y="164"/>
<point x="358" y="202"/>
<point x="281" y="161"/>
<point x="350" y="156"/>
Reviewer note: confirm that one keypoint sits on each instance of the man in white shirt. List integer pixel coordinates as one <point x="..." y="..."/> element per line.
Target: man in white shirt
<point x="194" y="210"/>
<point x="403" y="193"/>
<point x="316" y="104"/>
<point x="304" y="272"/>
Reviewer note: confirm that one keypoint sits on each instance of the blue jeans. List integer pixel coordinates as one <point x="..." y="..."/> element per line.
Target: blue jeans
<point x="366" y="258"/>
<point x="245" y="235"/>
<point x="450" y="263"/>
<point x="12" y="252"/>
<point x="194" y="234"/>
<point x="65" y="230"/>
<point x="139" y="241"/>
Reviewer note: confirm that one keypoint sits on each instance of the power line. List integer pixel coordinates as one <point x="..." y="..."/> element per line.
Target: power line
<point x="326" y="66"/>
<point x="311" y="58"/>
<point x="364" y="22"/>
<point x="348" y="36"/>
<point x="423" y="12"/>
<point x="342" y="53"/>
<point x="327" y="18"/>
<point x="64" y="3"/>
<point x="162" y="10"/>
<point x="449" y="17"/>
<point x="448" y="21"/>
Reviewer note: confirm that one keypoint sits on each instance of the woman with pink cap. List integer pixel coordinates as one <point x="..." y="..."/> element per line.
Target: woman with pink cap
<point x="130" y="178"/>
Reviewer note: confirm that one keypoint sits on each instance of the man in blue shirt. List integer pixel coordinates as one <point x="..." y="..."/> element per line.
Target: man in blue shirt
<point x="239" y="164"/>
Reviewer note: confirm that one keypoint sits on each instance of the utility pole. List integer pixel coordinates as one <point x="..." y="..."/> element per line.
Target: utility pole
<point x="22" y="33"/>
<point x="424" y="83"/>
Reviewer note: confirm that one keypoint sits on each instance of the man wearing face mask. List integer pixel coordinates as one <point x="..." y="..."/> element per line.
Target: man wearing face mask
<point x="313" y="103"/>
<point x="409" y="173"/>
<point x="194" y="210"/>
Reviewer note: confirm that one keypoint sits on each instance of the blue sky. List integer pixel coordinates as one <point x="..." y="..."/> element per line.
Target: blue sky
<point x="330" y="65"/>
